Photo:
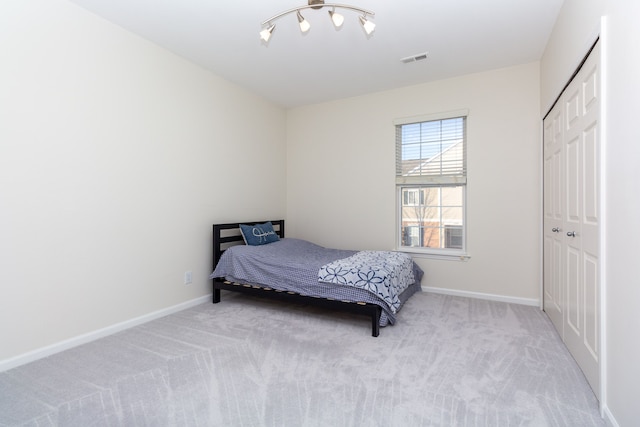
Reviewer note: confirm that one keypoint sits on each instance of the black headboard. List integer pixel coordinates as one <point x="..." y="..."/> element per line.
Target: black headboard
<point x="227" y="235"/>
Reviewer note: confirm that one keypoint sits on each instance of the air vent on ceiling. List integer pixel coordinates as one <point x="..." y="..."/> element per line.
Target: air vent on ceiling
<point x="415" y="58"/>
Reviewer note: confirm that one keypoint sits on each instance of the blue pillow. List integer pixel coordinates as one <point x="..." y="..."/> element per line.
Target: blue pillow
<point x="258" y="234"/>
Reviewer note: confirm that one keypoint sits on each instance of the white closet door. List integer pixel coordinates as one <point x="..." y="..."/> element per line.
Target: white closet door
<point x="571" y="244"/>
<point x="582" y="218"/>
<point x="553" y="217"/>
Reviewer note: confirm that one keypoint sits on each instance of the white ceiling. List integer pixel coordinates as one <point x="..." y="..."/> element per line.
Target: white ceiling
<point x="461" y="36"/>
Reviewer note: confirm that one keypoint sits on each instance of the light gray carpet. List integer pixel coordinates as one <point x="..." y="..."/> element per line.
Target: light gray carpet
<point x="449" y="361"/>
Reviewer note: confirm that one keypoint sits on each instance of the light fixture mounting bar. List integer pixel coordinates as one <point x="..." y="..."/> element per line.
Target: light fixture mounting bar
<point x="318" y="6"/>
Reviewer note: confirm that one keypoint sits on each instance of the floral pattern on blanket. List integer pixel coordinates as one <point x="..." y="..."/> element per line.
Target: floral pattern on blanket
<point x="385" y="274"/>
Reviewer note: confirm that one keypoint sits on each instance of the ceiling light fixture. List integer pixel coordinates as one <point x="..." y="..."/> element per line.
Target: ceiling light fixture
<point x="367" y="25"/>
<point x="304" y="24"/>
<point x="336" y="18"/>
<point x="268" y="26"/>
<point x="266" y="33"/>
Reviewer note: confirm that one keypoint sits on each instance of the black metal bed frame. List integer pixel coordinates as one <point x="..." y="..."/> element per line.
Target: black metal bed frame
<point x="221" y="243"/>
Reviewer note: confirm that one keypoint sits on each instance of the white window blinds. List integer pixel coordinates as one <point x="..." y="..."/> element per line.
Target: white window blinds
<point x="431" y="151"/>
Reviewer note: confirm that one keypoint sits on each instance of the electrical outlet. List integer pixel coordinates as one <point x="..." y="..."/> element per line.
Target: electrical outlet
<point x="187" y="278"/>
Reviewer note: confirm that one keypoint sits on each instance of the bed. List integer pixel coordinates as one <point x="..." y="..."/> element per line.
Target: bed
<point x="256" y="258"/>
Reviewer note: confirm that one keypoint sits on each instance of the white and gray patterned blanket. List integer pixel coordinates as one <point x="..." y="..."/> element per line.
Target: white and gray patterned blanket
<point x="383" y="273"/>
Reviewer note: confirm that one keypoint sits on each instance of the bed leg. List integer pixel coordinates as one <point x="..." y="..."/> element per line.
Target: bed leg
<point x="216" y="294"/>
<point x="375" y="322"/>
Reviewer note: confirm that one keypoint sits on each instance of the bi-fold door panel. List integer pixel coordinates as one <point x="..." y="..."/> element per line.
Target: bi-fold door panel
<point x="572" y="217"/>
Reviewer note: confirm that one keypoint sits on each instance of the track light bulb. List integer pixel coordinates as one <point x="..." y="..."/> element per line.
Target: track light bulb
<point x="266" y="33"/>
<point x="336" y="18"/>
<point x="368" y="26"/>
<point x="304" y="24"/>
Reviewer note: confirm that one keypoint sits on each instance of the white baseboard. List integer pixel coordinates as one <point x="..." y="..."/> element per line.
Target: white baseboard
<point x="491" y="297"/>
<point x="608" y="417"/>
<point x="43" y="352"/>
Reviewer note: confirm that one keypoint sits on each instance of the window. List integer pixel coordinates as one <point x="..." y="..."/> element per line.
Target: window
<point x="413" y="197"/>
<point x="453" y="236"/>
<point x="431" y="180"/>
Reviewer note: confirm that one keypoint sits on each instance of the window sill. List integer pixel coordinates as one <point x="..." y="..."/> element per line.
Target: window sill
<point x="430" y="255"/>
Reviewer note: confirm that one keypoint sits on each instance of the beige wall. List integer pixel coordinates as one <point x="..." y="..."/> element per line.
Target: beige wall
<point x="573" y="34"/>
<point x="111" y="173"/>
<point x="576" y="28"/>
<point x="341" y="166"/>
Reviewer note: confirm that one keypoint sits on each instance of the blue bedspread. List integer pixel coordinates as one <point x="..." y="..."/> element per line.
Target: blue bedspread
<point x="293" y="265"/>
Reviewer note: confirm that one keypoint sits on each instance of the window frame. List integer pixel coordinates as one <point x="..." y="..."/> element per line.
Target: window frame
<point x="439" y="181"/>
